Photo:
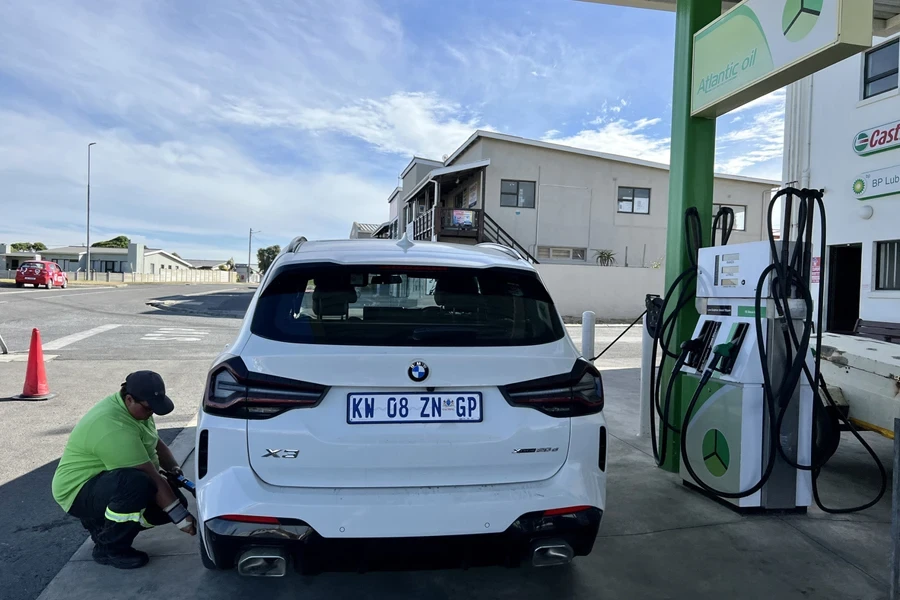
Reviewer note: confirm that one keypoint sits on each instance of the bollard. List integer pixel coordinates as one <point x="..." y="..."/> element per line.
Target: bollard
<point x="4" y="349"/>
<point x="588" y="319"/>
<point x="646" y="366"/>
<point x="895" y="517"/>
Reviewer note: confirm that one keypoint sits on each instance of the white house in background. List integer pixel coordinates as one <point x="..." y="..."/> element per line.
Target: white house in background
<point x="554" y="203"/>
<point x="360" y="231"/>
<point x="135" y="259"/>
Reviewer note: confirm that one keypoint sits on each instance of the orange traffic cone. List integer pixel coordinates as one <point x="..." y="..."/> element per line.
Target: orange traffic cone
<point x="36" y="386"/>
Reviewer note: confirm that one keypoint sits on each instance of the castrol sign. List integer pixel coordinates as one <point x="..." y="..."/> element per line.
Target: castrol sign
<point x="877" y="139"/>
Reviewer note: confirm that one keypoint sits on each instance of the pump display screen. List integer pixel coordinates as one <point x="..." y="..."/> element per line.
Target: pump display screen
<point x="730" y="270"/>
<point x="730" y="258"/>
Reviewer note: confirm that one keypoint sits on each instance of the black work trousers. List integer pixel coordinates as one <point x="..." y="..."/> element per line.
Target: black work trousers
<point x="116" y="505"/>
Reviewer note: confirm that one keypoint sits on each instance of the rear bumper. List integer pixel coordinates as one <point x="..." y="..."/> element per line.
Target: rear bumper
<point x="229" y="486"/>
<point x="312" y="553"/>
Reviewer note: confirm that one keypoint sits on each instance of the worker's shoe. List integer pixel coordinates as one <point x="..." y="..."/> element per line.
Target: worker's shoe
<point x="127" y="558"/>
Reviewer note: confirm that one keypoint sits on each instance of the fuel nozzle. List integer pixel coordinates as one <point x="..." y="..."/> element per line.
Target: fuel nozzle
<point x="725" y="355"/>
<point x="693" y="351"/>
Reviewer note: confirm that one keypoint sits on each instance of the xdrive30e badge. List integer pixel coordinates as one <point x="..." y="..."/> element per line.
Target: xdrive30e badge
<point x="418" y="371"/>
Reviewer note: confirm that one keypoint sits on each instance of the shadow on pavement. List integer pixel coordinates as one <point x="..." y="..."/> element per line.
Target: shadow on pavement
<point x="36" y="537"/>
<point x="225" y="304"/>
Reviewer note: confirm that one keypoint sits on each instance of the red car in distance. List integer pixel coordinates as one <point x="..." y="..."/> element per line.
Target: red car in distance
<point x="41" y="272"/>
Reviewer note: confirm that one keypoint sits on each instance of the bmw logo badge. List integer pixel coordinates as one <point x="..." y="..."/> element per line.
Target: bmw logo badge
<point x="418" y="371"/>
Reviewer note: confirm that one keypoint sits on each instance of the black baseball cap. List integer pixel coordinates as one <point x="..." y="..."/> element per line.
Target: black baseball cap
<point x="148" y="386"/>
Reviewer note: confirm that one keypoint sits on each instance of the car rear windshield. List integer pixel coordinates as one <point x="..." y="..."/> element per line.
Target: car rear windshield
<point x="405" y="306"/>
<point x="32" y="265"/>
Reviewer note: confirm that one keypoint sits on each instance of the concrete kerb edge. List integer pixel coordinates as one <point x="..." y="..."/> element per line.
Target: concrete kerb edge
<point x="182" y="447"/>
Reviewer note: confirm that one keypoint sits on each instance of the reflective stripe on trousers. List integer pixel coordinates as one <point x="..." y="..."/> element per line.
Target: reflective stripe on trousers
<point x="137" y="517"/>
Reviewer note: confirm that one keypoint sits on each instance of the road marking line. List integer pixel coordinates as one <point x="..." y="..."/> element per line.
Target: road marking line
<point x="211" y="292"/>
<point x="77" y="337"/>
<point x="7" y="358"/>
<point x="58" y="291"/>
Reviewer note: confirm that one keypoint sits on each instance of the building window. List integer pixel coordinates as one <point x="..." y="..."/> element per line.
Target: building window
<point x="554" y="253"/>
<point x="634" y="200"/>
<point x="740" y="216"/>
<point x="887" y="265"/>
<point x="880" y="69"/>
<point x="517" y="194"/>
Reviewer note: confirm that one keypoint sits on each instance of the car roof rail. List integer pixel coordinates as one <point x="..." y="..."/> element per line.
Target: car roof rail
<point x="296" y="243"/>
<point x="502" y="248"/>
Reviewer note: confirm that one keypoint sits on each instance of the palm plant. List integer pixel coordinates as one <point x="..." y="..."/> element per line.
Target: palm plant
<point x="605" y="258"/>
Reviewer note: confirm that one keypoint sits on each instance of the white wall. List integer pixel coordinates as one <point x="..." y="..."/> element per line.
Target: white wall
<point x="576" y="203"/>
<point x="160" y="262"/>
<point x="611" y="292"/>
<point x="838" y="114"/>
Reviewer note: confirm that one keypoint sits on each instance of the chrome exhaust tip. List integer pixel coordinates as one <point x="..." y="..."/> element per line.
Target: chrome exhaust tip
<point x="551" y="553"/>
<point x="262" y="562"/>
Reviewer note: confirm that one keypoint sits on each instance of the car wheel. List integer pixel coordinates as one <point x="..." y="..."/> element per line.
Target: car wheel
<point x="18" y="285"/>
<point x="65" y="284"/>
<point x="50" y="285"/>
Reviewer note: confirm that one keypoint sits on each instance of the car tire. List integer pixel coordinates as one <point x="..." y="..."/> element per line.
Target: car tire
<point x="19" y="285"/>
<point x="49" y="285"/>
<point x="65" y="284"/>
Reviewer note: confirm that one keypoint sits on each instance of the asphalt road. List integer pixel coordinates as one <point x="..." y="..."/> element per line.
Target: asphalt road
<point x="95" y="336"/>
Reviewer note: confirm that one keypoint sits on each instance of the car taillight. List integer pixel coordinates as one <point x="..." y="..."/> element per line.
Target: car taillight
<point x="250" y="519"/>
<point x="571" y="510"/>
<point x="233" y="391"/>
<point x="570" y="395"/>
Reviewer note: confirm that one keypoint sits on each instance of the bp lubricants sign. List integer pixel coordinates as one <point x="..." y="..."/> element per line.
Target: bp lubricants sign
<point x="875" y="184"/>
<point x="762" y="45"/>
<point x="877" y="139"/>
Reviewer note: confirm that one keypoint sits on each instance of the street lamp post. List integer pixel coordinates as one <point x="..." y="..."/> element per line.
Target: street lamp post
<point x="249" y="251"/>
<point x="88" y="266"/>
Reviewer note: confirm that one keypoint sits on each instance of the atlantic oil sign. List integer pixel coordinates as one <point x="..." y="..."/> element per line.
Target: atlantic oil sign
<point x="877" y="139"/>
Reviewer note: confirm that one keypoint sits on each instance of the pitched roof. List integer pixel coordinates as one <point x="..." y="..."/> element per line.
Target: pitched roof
<point x="200" y="263"/>
<point x="366" y="227"/>
<point x="612" y="157"/>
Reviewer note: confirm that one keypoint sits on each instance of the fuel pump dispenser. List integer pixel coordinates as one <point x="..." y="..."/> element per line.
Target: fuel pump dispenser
<point x="761" y="424"/>
<point x="726" y="435"/>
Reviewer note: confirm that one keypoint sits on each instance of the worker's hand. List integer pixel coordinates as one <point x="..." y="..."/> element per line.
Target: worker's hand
<point x="189" y="525"/>
<point x="176" y="471"/>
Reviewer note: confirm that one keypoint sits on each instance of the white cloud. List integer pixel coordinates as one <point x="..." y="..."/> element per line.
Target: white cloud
<point x="403" y="123"/>
<point x="755" y="145"/>
<point x="622" y="137"/>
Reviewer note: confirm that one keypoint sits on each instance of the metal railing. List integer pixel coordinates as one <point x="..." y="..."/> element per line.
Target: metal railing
<point x="492" y="232"/>
<point x="423" y="226"/>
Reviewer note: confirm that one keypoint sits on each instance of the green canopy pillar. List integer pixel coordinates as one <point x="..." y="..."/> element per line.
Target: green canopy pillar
<point x="690" y="184"/>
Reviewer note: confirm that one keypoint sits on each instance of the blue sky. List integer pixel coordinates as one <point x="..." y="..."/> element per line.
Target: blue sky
<point x="295" y="117"/>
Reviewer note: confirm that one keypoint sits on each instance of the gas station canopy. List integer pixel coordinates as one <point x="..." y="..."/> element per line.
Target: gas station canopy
<point x="886" y="22"/>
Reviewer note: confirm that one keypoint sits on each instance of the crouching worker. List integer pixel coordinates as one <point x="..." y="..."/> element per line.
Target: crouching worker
<point x="108" y="475"/>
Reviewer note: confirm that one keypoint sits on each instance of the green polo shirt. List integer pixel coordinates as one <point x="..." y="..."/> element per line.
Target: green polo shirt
<point x="106" y="438"/>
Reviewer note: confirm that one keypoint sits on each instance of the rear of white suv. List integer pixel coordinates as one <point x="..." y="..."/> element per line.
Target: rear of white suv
<point x="399" y="403"/>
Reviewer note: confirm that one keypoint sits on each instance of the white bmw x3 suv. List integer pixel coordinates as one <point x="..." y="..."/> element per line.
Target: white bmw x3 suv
<point x="396" y="405"/>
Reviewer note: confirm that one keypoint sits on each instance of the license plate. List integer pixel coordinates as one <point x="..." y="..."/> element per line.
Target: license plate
<point x="456" y="407"/>
<point x="29" y="278"/>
